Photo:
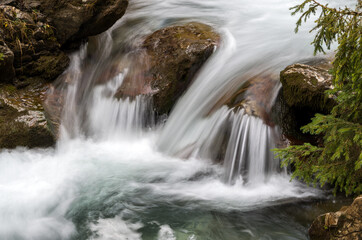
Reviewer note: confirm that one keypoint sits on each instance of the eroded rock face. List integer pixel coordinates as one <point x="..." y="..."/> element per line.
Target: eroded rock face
<point x="172" y="56"/>
<point x="22" y="119"/>
<point x="77" y="19"/>
<point x="346" y="224"/>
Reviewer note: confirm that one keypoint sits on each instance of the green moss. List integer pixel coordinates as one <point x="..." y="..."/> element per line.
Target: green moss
<point x="50" y="67"/>
<point x="8" y="88"/>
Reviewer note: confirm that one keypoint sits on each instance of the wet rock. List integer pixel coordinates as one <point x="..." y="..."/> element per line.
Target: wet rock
<point x="173" y="57"/>
<point x="22" y="119"/>
<point x="301" y="97"/>
<point x="41" y="27"/>
<point x="256" y="96"/>
<point x="75" y="20"/>
<point x="346" y="224"/>
<point x="48" y="67"/>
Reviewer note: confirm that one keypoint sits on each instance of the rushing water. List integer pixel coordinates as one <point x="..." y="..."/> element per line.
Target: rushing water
<point x="117" y="174"/>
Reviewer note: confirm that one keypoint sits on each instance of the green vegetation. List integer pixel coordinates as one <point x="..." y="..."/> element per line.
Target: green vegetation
<point x="337" y="160"/>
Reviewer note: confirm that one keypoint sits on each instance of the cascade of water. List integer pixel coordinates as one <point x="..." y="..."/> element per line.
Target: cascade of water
<point x="115" y="118"/>
<point x="89" y="87"/>
<point x="239" y="57"/>
<point x="77" y="83"/>
<point x="193" y="128"/>
<point x="248" y="152"/>
<point x="126" y="189"/>
<point x="197" y="102"/>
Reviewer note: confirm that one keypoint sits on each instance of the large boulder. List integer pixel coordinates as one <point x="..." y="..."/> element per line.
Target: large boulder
<point x="75" y="19"/>
<point x="22" y="120"/>
<point x="346" y="224"/>
<point x="301" y="97"/>
<point x="171" y="58"/>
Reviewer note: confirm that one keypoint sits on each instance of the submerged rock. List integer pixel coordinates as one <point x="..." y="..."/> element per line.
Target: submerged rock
<point x="346" y="224"/>
<point x="22" y="119"/>
<point x="171" y="58"/>
<point x="256" y="96"/>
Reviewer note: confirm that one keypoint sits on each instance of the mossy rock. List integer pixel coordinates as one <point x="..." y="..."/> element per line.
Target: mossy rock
<point x="75" y="20"/>
<point x="305" y="86"/>
<point x="301" y="97"/>
<point x="171" y="58"/>
<point x="35" y="50"/>
<point x="50" y="67"/>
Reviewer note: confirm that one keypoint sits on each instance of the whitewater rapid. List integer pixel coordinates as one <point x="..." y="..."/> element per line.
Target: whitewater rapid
<point x="44" y="191"/>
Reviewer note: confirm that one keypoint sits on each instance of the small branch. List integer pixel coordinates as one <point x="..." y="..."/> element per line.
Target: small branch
<point x="349" y="12"/>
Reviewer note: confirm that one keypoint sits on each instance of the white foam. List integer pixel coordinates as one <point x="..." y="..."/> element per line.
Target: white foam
<point x="166" y="233"/>
<point x="115" y="229"/>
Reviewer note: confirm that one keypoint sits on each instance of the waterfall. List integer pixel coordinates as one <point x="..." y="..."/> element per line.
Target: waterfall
<point x="195" y="127"/>
<point x="116" y="118"/>
<point x="248" y="155"/>
<point x="204" y="170"/>
<point x="89" y="87"/>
